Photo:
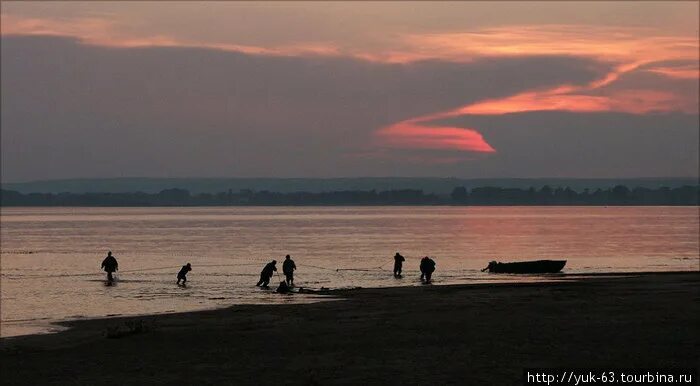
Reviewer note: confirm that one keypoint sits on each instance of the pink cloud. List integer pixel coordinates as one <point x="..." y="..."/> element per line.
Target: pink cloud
<point x="411" y="134"/>
<point x="627" y="101"/>
<point x="419" y="133"/>
<point x="679" y="72"/>
<point x="617" y="44"/>
<point x="105" y="32"/>
<point x="630" y="48"/>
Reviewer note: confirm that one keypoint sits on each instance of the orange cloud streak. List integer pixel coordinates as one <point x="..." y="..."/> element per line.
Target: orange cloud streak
<point x="408" y="134"/>
<point x="682" y="72"/>
<point x="577" y="99"/>
<point x="103" y="32"/>
<point x="628" y="101"/>
<point x="419" y="133"/>
<point x="619" y="44"/>
<point x="629" y="47"/>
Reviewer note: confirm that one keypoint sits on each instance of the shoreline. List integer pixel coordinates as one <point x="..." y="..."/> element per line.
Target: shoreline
<point x="322" y="295"/>
<point x="442" y="334"/>
<point x="47" y="327"/>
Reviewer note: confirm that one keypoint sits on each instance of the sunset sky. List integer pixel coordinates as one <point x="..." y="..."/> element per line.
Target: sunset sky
<point x="463" y="89"/>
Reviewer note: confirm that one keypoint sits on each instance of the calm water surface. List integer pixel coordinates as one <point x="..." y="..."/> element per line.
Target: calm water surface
<point x="51" y="256"/>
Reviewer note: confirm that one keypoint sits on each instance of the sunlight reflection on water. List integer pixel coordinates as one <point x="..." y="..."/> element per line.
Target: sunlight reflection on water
<point x="51" y="256"/>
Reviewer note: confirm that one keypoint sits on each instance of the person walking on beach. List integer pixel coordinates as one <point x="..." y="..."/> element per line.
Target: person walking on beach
<point x="182" y="275"/>
<point x="266" y="274"/>
<point x="110" y="265"/>
<point x="427" y="267"/>
<point x="398" y="264"/>
<point x="288" y="268"/>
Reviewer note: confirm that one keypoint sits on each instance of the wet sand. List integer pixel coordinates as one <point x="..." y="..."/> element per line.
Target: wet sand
<point x="459" y="334"/>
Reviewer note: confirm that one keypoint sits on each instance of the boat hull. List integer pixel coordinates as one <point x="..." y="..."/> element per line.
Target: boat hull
<point x="539" y="266"/>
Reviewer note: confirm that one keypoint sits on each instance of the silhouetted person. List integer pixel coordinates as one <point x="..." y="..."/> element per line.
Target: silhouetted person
<point x="182" y="275"/>
<point x="283" y="288"/>
<point x="398" y="264"/>
<point x="266" y="273"/>
<point x="288" y="268"/>
<point x="427" y="267"/>
<point x="490" y="267"/>
<point x="110" y="265"/>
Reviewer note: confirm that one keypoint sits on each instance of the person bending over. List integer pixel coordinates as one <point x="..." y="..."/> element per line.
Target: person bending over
<point x="182" y="275"/>
<point x="427" y="267"/>
<point x="266" y="273"/>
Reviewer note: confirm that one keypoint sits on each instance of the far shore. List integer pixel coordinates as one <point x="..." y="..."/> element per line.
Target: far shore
<point x="451" y="334"/>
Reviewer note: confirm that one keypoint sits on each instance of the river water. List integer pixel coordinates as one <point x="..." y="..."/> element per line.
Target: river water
<point x="50" y="262"/>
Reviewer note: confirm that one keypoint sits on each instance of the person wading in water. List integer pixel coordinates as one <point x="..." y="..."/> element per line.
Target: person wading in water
<point x="288" y="268"/>
<point x="398" y="264"/>
<point x="110" y="265"/>
<point x="182" y="275"/>
<point x="266" y="274"/>
<point x="427" y="267"/>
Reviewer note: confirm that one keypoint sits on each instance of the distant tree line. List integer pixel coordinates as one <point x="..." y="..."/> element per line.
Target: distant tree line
<point x="618" y="195"/>
<point x="181" y="197"/>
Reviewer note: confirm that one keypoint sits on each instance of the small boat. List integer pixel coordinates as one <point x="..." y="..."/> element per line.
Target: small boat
<point x="538" y="266"/>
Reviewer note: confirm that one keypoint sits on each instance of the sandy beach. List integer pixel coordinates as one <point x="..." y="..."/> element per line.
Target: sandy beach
<point x="460" y="334"/>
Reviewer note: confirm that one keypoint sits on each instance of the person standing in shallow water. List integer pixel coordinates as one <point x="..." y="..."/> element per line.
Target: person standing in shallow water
<point x="430" y="270"/>
<point x="182" y="275"/>
<point x="427" y="267"/>
<point x="398" y="264"/>
<point x="288" y="268"/>
<point x="110" y="265"/>
<point x="266" y="273"/>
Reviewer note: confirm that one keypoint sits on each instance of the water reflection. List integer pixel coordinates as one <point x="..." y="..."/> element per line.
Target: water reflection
<point x="51" y="256"/>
